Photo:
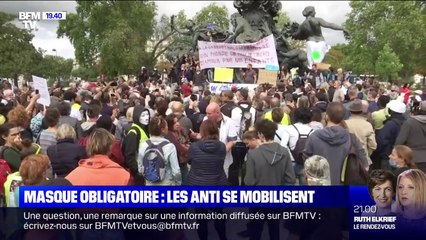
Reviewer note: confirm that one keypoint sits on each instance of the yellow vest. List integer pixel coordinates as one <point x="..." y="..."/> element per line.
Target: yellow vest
<point x="284" y="121"/>
<point x="143" y="138"/>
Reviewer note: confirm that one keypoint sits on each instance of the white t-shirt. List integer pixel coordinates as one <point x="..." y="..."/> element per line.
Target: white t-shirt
<point x="294" y="135"/>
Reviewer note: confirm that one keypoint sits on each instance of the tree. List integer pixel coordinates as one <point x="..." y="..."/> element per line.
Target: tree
<point x="114" y="33"/>
<point x="336" y="56"/>
<point x="281" y="20"/>
<point x="373" y="24"/>
<point x="160" y="41"/>
<point x="388" y="64"/>
<point x="86" y="73"/>
<point x="213" y="14"/>
<point x="55" y="68"/>
<point x="17" y="54"/>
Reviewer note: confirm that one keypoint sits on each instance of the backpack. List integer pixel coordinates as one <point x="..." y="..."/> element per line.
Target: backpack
<point x="227" y="108"/>
<point x="246" y="117"/>
<point x="297" y="152"/>
<point x="4" y="172"/>
<point x="199" y="119"/>
<point x="352" y="173"/>
<point x="259" y="116"/>
<point x="154" y="162"/>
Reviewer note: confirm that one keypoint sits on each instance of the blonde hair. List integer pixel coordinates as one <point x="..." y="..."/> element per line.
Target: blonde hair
<point x="418" y="178"/>
<point x="100" y="142"/>
<point x="65" y="131"/>
<point x="303" y="102"/>
<point x="325" y="86"/>
<point x="33" y="169"/>
<point x="129" y="114"/>
<point x="215" y="99"/>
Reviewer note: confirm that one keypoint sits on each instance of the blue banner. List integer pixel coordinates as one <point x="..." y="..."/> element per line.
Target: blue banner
<point x="183" y="197"/>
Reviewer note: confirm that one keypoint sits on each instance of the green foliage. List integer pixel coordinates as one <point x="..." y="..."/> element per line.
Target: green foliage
<point x="282" y="19"/>
<point x="373" y="24"/>
<point x="388" y="64"/>
<point x="17" y="54"/>
<point x="111" y="32"/>
<point x="213" y="14"/>
<point x="86" y="73"/>
<point x="55" y="68"/>
<point x="336" y="56"/>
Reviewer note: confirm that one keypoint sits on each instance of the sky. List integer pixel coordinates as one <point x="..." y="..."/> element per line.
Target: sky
<point x="45" y="37"/>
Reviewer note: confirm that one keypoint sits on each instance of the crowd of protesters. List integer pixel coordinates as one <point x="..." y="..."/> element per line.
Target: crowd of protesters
<point x="300" y="131"/>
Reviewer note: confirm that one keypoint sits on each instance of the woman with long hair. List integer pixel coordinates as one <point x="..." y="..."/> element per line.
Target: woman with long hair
<point x="401" y="159"/>
<point x="170" y="174"/>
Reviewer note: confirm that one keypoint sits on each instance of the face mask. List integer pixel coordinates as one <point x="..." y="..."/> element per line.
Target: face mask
<point x="144" y="118"/>
<point x="393" y="164"/>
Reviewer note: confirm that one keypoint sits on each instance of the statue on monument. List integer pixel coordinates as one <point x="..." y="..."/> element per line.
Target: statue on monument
<point x="207" y="33"/>
<point x="310" y="30"/>
<point x="243" y="31"/>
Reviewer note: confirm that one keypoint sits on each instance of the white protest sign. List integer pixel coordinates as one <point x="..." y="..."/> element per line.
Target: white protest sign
<point x="217" y="88"/>
<point x="260" y="54"/>
<point x="40" y="84"/>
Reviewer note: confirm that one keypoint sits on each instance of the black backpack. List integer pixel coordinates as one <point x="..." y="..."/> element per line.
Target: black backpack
<point x="259" y="116"/>
<point x="246" y="118"/>
<point x="297" y="152"/>
<point x="227" y="108"/>
<point x="352" y="173"/>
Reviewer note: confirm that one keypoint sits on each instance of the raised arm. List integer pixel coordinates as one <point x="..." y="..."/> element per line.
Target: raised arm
<point x="333" y="26"/>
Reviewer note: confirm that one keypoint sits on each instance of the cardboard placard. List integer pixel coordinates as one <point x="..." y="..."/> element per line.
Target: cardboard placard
<point x="267" y="76"/>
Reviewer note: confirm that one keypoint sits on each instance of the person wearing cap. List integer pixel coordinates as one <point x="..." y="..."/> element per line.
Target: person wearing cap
<point x="358" y="125"/>
<point x="413" y="135"/>
<point x="387" y="136"/>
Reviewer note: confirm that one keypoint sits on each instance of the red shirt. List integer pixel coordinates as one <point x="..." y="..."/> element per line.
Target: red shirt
<point x="186" y="89"/>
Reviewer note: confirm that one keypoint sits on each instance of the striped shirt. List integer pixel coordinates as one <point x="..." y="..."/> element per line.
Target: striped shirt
<point x="47" y="138"/>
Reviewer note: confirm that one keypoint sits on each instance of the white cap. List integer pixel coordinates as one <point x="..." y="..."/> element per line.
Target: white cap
<point x="397" y="106"/>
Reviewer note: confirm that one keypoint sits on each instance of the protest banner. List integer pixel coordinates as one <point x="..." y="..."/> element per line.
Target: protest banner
<point x="267" y="76"/>
<point x="260" y="54"/>
<point x="217" y="88"/>
<point x="40" y="84"/>
<point x="225" y="75"/>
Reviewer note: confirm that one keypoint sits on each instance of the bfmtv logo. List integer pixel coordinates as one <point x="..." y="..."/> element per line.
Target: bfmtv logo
<point x="30" y="19"/>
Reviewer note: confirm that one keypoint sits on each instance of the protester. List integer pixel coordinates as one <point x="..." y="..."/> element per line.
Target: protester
<point x="413" y="135"/>
<point x="12" y="142"/>
<point x="33" y="171"/>
<point x="66" y="153"/>
<point x="137" y="135"/>
<point x="47" y="137"/>
<point x="401" y="159"/>
<point x="358" y="125"/>
<point x="98" y="169"/>
<point x="168" y="173"/>
<point x="388" y="134"/>
<point x="334" y="143"/>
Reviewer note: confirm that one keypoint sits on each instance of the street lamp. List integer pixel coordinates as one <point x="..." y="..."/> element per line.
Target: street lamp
<point x="56" y="53"/>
